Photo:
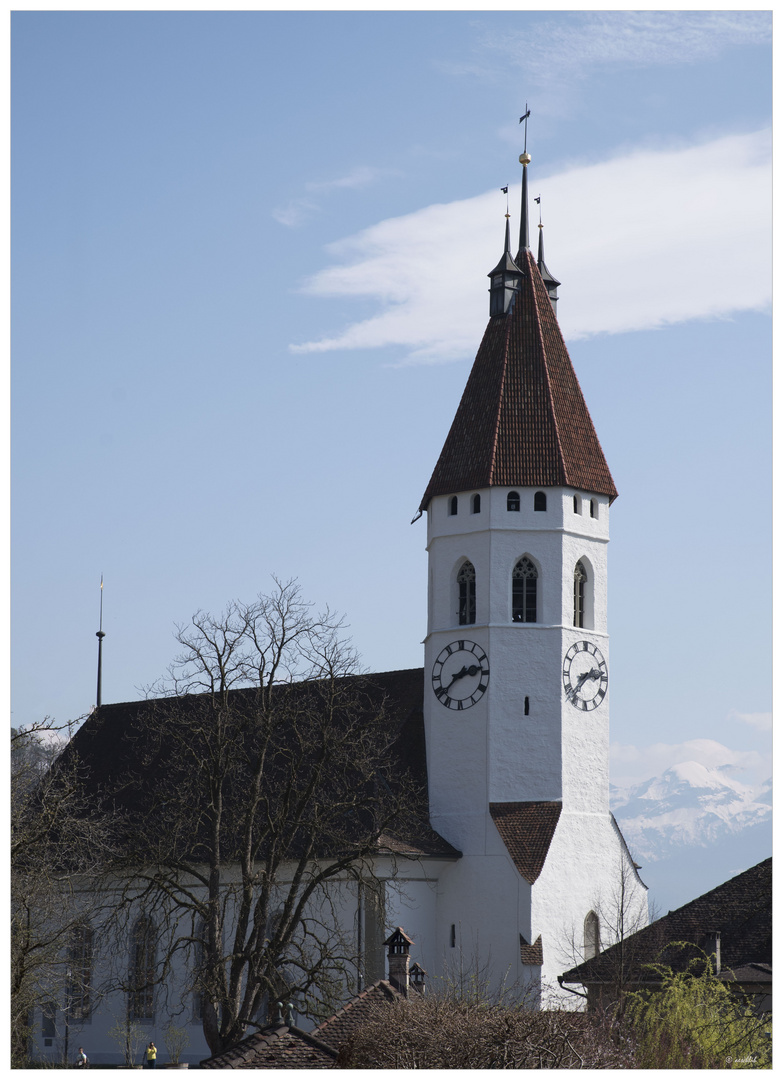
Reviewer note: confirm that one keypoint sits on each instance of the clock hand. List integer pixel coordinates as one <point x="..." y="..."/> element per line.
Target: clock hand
<point x="459" y="675"/>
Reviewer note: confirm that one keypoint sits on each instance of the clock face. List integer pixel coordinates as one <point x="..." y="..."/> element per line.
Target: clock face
<point x="585" y="676"/>
<point x="460" y="674"/>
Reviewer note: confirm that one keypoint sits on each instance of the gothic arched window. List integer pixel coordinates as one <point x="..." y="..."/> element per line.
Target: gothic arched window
<point x="475" y="504"/>
<point x="512" y="501"/>
<point x="592" y="935"/>
<point x="466" y="582"/>
<point x="524" y="585"/>
<point x="539" y="500"/>
<point x="453" y="504"/>
<point x="142" y="971"/>
<point x="80" y="972"/>
<point x="580" y="578"/>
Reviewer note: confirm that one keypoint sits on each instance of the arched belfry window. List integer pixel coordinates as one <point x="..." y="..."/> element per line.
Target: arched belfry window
<point x="475" y="504"/>
<point x="524" y="587"/>
<point x="539" y="500"/>
<point x="142" y="970"/>
<point x="512" y="501"/>
<point x="592" y="935"/>
<point x="466" y="582"/>
<point x="453" y="505"/>
<point x="580" y="580"/>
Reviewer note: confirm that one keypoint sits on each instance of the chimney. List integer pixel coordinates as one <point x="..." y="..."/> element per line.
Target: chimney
<point x="712" y="949"/>
<point x="418" y="978"/>
<point x="399" y="946"/>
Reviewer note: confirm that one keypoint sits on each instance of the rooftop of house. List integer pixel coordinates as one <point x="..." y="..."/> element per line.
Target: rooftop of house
<point x="739" y="911"/>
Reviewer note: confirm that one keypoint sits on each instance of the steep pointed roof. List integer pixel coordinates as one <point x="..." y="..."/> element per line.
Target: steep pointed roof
<point x="522" y="420"/>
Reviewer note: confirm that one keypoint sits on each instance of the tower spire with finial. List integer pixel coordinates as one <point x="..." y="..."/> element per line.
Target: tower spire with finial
<point x="100" y="636"/>
<point x="505" y="277"/>
<point x="525" y="159"/>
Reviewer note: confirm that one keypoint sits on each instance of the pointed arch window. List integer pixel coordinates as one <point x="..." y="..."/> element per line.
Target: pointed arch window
<point x="580" y="580"/>
<point x="592" y="935"/>
<point x="453" y="506"/>
<point x="539" y="500"/>
<point x="466" y="582"/>
<point x="524" y="588"/>
<point x="142" y="972"/>
<point x="80" y="969"/>
<point x="475" y="504"/>
<point x="512" y="500"/>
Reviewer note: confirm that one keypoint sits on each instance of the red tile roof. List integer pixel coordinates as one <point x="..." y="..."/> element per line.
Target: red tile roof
<point x="531" y="954"/>
<point x="527" y="828"/>
<point x="522" y="420"/>
<point x="276" y="1047"/>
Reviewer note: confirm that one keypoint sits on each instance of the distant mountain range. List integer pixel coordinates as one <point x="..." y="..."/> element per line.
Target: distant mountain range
<point x="693" y="828"/>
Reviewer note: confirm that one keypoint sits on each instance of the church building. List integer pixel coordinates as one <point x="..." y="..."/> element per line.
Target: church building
<point x="524" y="869"/>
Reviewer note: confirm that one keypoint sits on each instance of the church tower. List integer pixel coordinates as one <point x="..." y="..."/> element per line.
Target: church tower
<point x="517" y="672"/>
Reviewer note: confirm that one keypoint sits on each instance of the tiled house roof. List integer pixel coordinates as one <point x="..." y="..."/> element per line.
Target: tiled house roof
<point x="276" y="1047"/>
<point x="338" y="1028"/>
<point x="522" y="420"/>
<point x="281" y="1047"/>
<point x="740" y="910"/>
<point x="526" y="829"/>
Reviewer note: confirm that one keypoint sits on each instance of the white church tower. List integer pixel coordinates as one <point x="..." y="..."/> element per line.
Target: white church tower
<point x="517" y="665"/>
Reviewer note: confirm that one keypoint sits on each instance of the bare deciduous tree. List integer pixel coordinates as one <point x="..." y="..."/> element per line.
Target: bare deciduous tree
<point x="437" y="1032"/>
<point x="59" y="841"/>
<point x="262" y="779"/>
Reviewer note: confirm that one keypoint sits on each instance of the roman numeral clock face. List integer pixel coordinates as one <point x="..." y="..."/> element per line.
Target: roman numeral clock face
<point x="460" y="675"/>
<point x="585" y="676"/>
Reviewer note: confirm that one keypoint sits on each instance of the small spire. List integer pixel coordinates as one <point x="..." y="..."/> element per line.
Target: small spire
<point x="100" y="636"/>
<point x="549" y="279"/>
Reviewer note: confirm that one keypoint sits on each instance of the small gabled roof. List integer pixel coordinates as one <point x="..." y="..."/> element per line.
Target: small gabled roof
<point x="740" y="910"/>
<point x="522" y="420"/>
<point x="276" y="1046"/>
<point x="527" y="828"/>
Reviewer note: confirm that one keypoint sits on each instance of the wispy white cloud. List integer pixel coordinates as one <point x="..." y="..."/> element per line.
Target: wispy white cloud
<point x="557" y="52"/>
<point x="296" y="212"/>
<point x="762" y="721"/>
<point x="632" y="764"/>
<point x="644" y="240"/>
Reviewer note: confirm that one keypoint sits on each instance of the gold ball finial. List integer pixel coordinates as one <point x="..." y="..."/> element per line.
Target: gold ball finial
<point x="525" y="158"/>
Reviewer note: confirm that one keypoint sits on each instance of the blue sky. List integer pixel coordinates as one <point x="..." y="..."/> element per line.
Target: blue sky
<point x="249" y="258"/>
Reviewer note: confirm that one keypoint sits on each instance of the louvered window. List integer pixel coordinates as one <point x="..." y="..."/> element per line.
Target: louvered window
<point x="524" y="585"/>
<point x="466" y="582"/>
<point x="580" y="579"/>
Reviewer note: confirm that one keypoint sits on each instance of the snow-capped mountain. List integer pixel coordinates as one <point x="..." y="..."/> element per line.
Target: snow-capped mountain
<point x="692" y="828"/>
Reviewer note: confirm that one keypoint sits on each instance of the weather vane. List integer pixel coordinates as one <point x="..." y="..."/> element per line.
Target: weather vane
<point x="527" y="113"/>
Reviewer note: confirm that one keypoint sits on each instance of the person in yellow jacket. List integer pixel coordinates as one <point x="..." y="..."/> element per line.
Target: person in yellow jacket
<point x="152" y="1053"/>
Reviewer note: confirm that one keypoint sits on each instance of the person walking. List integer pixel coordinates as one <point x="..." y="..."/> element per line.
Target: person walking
<point x="81" y="1059"/>
<point x="152" y="1053"/>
